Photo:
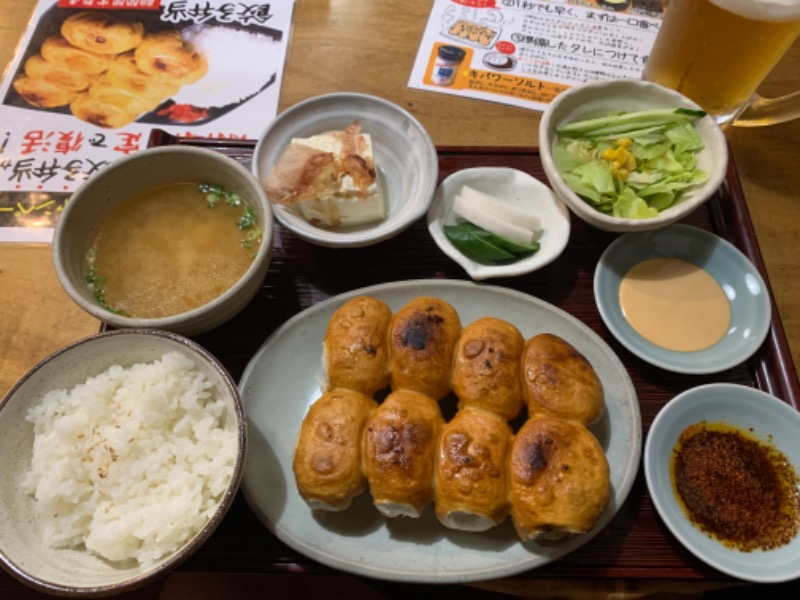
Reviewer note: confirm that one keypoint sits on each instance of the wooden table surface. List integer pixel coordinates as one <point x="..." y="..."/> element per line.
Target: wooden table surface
<point x="370" y="47"/>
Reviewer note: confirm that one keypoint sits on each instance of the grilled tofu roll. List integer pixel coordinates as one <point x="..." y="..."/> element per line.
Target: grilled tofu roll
<point x="559" y="479"/>
<point x="471" y="484"/>
<point x="356" y="347"/>
<point x="486" y="367"/>
<point x="400" y="453"/>
<point x="327" y="462"/>
<point x="558" y="381"/>
<point x="422" y="337"/>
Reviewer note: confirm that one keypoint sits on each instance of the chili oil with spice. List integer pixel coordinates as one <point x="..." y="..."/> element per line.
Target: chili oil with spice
<point x="735" y="487"/>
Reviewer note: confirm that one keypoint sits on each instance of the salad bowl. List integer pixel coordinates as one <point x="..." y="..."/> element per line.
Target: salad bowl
<point x="605" y="98"/>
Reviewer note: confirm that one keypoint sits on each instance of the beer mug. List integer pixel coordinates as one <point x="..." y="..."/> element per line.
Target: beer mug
<point x="717" y="52"/>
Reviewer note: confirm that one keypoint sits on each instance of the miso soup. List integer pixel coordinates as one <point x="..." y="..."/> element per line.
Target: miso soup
<point x="171" y="249"/>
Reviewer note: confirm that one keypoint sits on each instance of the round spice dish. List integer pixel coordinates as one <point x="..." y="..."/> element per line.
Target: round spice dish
<point x="136" y="176"/>
<point x="739" y="280"/>
<point x="767" y="419"/>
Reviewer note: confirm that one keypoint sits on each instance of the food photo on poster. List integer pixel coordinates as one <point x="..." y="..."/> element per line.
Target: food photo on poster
<point x="88" y="84"/>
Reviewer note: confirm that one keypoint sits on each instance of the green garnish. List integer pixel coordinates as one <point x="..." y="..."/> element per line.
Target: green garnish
<point x="485" y="247"/>
<point x="252" y="236"/>
<point x="97" y="285"/>
<point x="215" y="192"/>
<point x="248" y="219"/>
<point x="631" y="165"/>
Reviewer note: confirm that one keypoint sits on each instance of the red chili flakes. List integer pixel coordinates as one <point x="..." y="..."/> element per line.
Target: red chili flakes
<point x="735" y="488"/>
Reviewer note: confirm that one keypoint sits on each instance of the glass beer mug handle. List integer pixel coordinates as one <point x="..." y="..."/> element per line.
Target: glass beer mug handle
<point x="769" y="111"/>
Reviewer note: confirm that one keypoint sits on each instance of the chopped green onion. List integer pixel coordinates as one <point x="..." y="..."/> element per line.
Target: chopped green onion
<point x="248" y="219"/>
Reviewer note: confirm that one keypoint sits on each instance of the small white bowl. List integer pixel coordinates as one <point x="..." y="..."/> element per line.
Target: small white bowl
<point x="600" y="98"/>
<point x="769" y="419"/>
<point x="405" y="159"/>
<point x="76" y="572"/>
<point x="517" y="188"/>
<point x="747" y="293"/>
<point x="134" y="174"/>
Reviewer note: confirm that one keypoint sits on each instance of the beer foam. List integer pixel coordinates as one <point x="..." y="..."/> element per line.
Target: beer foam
<point x="762" y="10"/>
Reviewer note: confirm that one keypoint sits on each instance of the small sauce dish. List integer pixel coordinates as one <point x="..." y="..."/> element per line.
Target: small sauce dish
<point x="765" y="418"/>
<point x="746" y="291"/>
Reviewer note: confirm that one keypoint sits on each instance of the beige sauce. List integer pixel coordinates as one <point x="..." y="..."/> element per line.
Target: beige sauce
<point x="674" y="304"/>
<point x="166" y="251"/>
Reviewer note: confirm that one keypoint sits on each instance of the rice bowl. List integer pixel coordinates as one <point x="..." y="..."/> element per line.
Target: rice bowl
<point x="141" y="482"/>
<point x="130" y="462"/>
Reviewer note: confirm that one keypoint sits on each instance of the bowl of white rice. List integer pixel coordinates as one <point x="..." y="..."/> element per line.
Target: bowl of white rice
<point x="121" y="454"/>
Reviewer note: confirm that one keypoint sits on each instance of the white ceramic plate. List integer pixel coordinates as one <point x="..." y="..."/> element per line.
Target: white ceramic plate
<point x="280" y="383"/>
<point x="405" y="159"/>
<point x="517" y="188"/>
<point x="751" y="311"/>
<point x="770" y="420"/>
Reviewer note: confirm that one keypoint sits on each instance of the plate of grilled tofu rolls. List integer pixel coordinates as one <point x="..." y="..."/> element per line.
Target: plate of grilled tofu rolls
<point x="437" y="431"/>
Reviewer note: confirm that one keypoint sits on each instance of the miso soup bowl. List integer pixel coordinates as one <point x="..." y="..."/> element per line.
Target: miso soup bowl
<point x="134" y="174"/>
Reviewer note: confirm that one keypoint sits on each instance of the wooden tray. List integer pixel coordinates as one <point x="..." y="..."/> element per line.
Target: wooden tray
<point x="636" y="544"/>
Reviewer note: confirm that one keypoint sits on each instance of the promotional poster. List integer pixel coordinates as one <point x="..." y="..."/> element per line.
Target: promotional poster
<point x="92" y="79"/>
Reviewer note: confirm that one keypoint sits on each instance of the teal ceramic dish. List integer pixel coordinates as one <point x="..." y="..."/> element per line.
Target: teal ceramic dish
<point x="770" y="420"/>
<point x="751" y="309"/>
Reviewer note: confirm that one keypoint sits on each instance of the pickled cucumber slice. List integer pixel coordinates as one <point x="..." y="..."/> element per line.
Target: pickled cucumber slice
<point x="518" y="249"/>
<point x="474" y="247"/>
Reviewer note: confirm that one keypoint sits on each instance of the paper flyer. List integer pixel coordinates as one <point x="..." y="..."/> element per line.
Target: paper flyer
<point x="92" y="78"/>
<point x="525" y="52"/>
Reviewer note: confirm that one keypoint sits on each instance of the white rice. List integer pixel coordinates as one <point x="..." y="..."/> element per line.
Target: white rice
<point x="131" y="463"/>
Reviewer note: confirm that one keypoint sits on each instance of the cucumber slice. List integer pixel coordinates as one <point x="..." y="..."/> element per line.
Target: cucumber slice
<point x="628" y="121"/>
<point x="516" y="248"/>
<point x="474" y="247"/>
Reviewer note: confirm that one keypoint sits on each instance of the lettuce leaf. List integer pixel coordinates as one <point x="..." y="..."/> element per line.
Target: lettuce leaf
<point x="665" y="145"/>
